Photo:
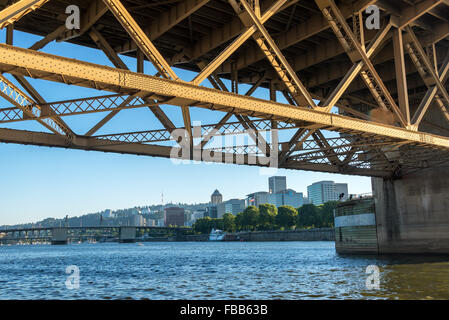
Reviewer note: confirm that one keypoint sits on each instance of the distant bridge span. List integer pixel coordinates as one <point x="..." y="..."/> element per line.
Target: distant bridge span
<point x="61" y="235"/>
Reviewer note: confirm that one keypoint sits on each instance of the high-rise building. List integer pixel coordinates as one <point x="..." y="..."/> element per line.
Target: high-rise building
<point x="211" y="210"/>
<point x="216" y="197"/>
<point x="233" y="206"/>
<point x="277" y="184"/>
<point x="257" y="198"/>
<point x="174" y="216"/>
<point x="287" y="197"/>
<point x="138" y="220"/>
<point x="324" y="191"/>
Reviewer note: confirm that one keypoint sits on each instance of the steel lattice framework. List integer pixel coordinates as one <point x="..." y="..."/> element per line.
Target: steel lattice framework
<point x="342" y="97"/>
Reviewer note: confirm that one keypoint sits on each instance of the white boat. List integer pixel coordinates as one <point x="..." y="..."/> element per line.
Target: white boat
<point x="216" y="235"/>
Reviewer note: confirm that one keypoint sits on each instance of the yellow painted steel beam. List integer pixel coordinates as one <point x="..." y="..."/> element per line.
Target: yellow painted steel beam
<point x="297" y="33"/>
<point x="431" y="92"/>
<point x="332" y="100"/>
<point x="17" y="10"/>
<point x="237" y="43"/>
<point x="401" y="74"/>
<point x="278" y="61"/>
<point x="220" y="36"/>
<point x="31" y="109"/>
<point x="355" y="52"/>
<point x="140" y="38"/>
<point x="93" y="144"/>
<point x="20" y="61"/>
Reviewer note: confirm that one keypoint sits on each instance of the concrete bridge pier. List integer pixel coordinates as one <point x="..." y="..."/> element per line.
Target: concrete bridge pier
<point x="127" y="235"/>
<point x="412" y="212"/>
<point x="59" y="235"/>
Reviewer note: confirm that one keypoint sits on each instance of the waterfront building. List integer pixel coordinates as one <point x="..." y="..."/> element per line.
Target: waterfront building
<point x="324" y="191"/>
<point x="198" y="214"/>
<point x="151" y="223"/>
<point x="212" y="210"/>
<point x="216" y="197"/>
<point x="287" y="197"/>
<point x="137" y="220"/>
<point x="107" y="213"/>
<point x="160" y="222"/>
<point x="257" y="198"/>
<point x="174" y="216"/>
<point x="233" y="206"/>
<point x="277" y="184"/>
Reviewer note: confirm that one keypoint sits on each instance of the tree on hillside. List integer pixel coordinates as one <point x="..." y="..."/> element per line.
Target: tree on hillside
<point x="286" y="217"/>
<point x="267" y="215"/>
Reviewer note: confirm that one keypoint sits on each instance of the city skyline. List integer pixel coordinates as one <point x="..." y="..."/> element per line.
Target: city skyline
<point x="149" y="177"/>
<point x="43" y="182"/>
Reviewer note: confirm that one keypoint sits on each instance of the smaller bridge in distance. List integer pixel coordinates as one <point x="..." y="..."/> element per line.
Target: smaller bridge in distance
<point x="63" y="235"/>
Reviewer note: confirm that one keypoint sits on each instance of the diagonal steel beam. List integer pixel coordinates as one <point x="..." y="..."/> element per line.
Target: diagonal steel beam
<point x="118" y="63"/>
<point x="424" y="65"/>
<point x="54" y="121"/>
<point x="276" y="58"/>
<point x="401" y="74"/>
<point x="226" y="53"/>
<point x="302" y="31"/>
<point x="341" y="88"/>
<point x="355" y="52"/>
<point x="140" y="38"/>
<point x="30" y="108"/>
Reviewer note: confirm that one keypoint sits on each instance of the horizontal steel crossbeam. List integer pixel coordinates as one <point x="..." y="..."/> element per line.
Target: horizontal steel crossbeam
<point x="22" y="61"/>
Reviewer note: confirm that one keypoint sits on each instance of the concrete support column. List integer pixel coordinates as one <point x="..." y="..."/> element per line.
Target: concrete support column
<point x="127" y="234"/>
<point x="412" y="212"/>
<point x="59" y="236"/>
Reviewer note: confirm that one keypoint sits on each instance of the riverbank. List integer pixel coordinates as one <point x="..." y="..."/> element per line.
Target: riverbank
<point x="322" y="234"/>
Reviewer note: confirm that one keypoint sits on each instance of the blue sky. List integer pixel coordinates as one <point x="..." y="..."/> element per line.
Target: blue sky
<point x="39" y="182"/>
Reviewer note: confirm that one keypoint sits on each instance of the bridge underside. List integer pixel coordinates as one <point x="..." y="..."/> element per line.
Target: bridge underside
<point x="338" y="97"/>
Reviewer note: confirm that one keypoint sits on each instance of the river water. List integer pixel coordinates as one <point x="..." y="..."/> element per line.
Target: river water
<point x="214" y="270"/>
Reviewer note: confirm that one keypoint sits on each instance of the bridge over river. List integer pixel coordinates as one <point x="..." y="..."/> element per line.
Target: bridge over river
<point x="354" y="87"/>
<point x="62" y="235"/>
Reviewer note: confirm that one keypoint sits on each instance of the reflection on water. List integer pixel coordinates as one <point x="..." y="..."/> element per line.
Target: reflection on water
<point x="205" y="270"/>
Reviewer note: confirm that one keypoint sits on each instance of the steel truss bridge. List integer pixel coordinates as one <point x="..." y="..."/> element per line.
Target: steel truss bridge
<point x="341" y="98"/>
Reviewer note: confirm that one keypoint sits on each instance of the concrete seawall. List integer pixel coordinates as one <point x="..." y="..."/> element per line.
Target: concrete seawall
<point x="323" y="234"/>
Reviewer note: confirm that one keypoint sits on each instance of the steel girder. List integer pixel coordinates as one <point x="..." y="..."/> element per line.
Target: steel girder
<point x="41" y="65"/>
<point x="17" y="10"/>
<point x="364" y="148"/>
